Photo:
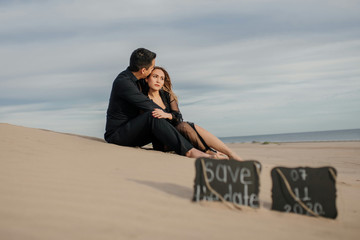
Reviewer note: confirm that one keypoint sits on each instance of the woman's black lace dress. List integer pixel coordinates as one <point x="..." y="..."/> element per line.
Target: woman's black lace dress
<point x="187" y="129"/>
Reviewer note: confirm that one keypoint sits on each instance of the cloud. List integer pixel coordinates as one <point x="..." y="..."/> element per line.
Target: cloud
<point x="238" y="67"/>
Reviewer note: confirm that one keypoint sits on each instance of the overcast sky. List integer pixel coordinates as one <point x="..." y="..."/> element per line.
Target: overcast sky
<point x="238" y="67"/>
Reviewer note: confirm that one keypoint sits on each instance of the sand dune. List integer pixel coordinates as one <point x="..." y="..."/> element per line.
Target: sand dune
<point x="63" y="186"/>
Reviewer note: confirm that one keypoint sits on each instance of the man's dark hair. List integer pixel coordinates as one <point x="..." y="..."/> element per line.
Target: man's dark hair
<point x="141" y="58"/>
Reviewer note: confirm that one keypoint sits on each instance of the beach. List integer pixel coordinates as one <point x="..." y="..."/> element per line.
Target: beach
<point x="64" y="186"/>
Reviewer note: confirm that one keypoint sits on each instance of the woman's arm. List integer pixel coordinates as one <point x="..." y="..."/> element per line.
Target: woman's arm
<point x="175" y="111"/>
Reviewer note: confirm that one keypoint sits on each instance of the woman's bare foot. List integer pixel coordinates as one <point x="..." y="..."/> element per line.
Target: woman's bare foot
<point x="195" y="153"/>
<point x="217" y="155"/>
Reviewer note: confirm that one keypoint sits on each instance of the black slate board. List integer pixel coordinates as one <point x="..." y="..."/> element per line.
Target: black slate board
<point x="234" y="181"/>
<point x="313" y="187"/>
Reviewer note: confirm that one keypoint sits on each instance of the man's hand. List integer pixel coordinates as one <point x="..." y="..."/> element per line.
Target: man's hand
<point x="158" y="113"/>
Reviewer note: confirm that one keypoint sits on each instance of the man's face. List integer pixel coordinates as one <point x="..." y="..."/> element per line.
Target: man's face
<point x="146" y="72"/>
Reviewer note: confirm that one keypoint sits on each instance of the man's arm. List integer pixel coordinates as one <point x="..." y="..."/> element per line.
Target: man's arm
<point x="128" y="91"/>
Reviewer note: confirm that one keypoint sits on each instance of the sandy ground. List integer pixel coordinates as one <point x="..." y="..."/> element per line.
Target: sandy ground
<point x="62" y="186"/>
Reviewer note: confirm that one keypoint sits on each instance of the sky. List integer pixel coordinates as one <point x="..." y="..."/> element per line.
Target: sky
<point x="239" y="68"/>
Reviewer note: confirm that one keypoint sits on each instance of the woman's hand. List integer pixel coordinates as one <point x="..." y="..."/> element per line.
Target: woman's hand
<point x="158" y="113"/>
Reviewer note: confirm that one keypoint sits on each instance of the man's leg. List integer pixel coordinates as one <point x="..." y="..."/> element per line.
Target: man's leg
<point x="134" y="133"/>
<point x="140" y="130"/>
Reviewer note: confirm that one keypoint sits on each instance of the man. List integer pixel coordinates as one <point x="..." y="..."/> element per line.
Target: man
<point x="129" y="119"/>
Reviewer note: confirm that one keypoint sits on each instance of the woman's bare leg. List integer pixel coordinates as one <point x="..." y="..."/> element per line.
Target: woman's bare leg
<point x="216" y="143"/>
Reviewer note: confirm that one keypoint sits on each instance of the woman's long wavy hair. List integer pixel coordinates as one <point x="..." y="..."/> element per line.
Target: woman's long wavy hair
<point x="167" y="83"/>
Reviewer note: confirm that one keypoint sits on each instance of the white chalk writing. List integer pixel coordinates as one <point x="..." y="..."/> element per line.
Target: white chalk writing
<point x="221" y="172"/>
<point x="296" y="208"/>
<point x="302" y="194"/>
<point x="238" y="177"/>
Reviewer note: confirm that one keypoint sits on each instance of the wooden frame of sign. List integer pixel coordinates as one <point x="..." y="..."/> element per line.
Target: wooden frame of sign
<point x="229" y="181"/>
<point x="305" y="190"/>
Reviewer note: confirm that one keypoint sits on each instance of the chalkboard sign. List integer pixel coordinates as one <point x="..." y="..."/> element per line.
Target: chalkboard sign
<point x="228" y="181"/>
<point x="304" y="190"/>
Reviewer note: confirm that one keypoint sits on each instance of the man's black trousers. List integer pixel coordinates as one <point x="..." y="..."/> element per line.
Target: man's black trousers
<point x="144" y="129"/>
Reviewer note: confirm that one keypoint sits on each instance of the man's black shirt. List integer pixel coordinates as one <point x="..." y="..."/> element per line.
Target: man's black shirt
<point x="126" y="101"/>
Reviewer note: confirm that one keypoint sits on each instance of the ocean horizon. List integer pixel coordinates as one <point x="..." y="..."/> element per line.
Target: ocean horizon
<point x="316" y="136"/>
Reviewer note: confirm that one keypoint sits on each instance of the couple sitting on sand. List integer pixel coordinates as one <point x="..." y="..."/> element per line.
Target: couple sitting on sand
<point x="143" y="109"/>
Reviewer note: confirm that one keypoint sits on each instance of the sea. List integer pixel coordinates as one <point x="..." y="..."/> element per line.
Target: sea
<point x="321" y="136"/>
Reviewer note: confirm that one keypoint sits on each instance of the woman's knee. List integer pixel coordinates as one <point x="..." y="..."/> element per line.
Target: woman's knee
<point x="183" y="127"/>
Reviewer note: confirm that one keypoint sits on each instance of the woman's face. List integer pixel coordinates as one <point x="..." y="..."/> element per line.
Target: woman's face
<point x="156" y="79"/>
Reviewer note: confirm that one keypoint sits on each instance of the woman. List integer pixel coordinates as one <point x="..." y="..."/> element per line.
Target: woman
<point x="160" y="91"/>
